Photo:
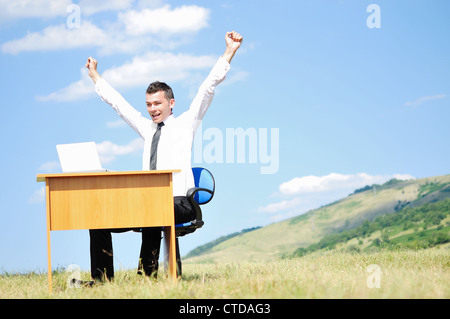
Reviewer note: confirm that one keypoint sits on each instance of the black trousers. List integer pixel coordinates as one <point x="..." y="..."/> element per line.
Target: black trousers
<point x="101" y="248"/>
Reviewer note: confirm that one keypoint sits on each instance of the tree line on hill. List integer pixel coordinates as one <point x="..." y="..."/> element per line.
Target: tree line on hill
<point x="375" y="186"/>
<point x="419" y="219"/>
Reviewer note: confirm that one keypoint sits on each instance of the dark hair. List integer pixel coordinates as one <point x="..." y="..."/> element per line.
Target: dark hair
<point x="161" y="86"/>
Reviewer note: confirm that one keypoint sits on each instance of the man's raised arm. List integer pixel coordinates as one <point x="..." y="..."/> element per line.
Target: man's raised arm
<point x="109" y="95"/>
<point x="205" y="93"/>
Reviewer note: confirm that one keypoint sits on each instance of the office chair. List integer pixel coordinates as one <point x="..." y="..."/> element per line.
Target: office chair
<point x="201" y="194"/>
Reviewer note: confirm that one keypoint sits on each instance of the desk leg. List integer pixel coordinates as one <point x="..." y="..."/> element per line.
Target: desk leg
<point x="170" y="251"/>
<point x="49" y="256"/>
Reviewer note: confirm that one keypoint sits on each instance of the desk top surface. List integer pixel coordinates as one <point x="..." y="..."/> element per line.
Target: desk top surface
<point x="42" y="177"/>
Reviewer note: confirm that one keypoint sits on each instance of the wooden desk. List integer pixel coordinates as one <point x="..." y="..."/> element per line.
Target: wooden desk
<point x="111" y="200"/>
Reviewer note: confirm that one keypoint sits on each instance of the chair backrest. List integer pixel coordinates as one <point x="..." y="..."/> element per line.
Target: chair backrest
<point x="205" y="181"/>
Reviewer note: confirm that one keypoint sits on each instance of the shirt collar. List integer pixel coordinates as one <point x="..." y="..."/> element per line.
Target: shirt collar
<point x="167" y="121"/>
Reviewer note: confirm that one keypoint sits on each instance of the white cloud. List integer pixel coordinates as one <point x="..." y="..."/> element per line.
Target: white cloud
<point x="141" y="71"/>
<point x="108" y="151"/>
<point x="184" y="19"/>
<point x="153" y="66"/>
<point x="78" y="90"/>
<point x="333" y="182"/>
<point x="58" y="37"/>
<point x="423" y="99"/>
<point x="150" y="3"/>
<point x="19" y="9"/>
<point x="50" y="167"/>
<point x="402" y="177"/>
<point x="280" y="206"/>
<point x="311" y="192"/>
<point x="291" y="207"/>
<point x="237" y="76"/>
<point x="33" y="9"/>
<point x="38" y="196"/>
<point x="88" y="35"/>
<point x="133" y="31"/>
<point x="90" y="7"/>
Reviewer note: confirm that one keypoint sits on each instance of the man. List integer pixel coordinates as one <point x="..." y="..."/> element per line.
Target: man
<point x="167" y="145"/>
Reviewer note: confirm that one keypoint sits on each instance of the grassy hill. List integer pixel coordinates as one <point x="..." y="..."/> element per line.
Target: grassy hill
<point x="364" y="205"/>
<point x="419" y="227"/>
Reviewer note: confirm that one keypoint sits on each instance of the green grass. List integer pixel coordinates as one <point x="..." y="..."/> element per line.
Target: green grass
<point x="404" y="274"/>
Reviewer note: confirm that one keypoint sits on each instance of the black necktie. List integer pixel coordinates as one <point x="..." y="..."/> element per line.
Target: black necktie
<point x="155" y="142"/>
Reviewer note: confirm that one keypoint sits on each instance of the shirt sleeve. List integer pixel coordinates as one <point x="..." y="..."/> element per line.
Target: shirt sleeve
<point x="128" y="113"/>
<point x="205" y="94"/>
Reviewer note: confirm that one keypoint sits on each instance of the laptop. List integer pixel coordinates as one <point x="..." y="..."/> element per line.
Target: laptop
<point x="79" y="158"/>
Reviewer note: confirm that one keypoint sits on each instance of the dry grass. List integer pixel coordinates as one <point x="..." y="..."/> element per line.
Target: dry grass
<point x="404" y="274"/>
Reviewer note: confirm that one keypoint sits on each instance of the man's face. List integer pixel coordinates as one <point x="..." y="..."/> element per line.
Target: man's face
<point x="158" y="106"/>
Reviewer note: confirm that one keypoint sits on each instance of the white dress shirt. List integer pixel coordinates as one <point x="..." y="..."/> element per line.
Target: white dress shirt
<point x="177" y="134"/>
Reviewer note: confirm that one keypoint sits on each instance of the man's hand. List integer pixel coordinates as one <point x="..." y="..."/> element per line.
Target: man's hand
<point x="233" y="41"/>
<point x="91" y="64"/>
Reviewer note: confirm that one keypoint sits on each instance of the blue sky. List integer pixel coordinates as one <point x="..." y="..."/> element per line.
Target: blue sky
<point x="349" y="105"/>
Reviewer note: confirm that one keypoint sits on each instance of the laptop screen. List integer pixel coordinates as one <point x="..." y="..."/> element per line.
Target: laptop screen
<point x="79" y="157"/>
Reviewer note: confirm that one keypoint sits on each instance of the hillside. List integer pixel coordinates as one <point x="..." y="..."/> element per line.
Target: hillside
<point x="286" y="237"/>
<point x="417" y="227"/>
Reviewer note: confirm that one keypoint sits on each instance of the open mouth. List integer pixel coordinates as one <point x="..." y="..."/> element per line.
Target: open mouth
<point x="156" y="116"/>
